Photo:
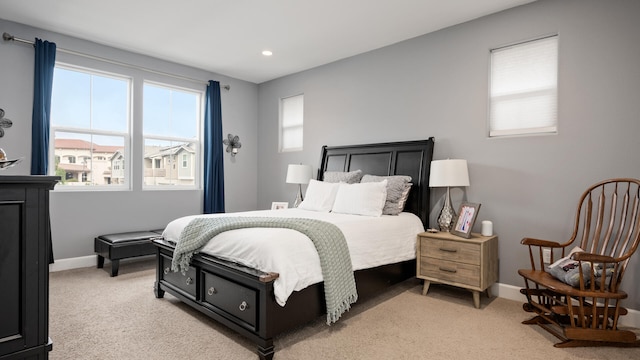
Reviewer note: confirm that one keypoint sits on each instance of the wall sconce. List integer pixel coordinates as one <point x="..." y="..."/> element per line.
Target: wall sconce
<point x="4" y="123"/>
<point x="4" y="161"/>
<point x="448" y="173"/>
<point x="233" y="144"/>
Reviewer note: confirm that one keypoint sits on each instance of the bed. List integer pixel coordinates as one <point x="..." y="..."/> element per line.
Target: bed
<point x="244" y="298"/>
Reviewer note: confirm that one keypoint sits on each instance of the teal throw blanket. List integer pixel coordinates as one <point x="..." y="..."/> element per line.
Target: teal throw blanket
<point x="335" y="261"/>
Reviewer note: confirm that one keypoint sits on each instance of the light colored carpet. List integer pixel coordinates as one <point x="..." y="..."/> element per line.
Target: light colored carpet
<point x="94" y="316"/>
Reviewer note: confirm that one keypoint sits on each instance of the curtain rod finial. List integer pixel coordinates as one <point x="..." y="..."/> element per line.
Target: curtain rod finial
<point x="7" y="37"/>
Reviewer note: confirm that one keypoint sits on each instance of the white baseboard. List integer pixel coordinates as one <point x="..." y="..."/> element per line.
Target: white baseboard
<point x="73" y="263"/>
<point x="632" y="319"/>
<point x="87" y="261"/>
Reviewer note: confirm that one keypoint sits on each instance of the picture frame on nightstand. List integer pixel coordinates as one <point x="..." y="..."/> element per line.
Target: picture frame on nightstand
<point x="466" y="218"/>
<point x="279" y="205"/>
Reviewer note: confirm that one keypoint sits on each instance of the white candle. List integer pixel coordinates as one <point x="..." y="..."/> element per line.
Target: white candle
<point x="487" y="228"/>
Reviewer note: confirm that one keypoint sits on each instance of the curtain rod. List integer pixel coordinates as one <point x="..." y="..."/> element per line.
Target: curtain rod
<point x="8" y="37"/>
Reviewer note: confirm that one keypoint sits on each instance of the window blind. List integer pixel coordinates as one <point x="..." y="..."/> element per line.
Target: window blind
<point x="523" y="90"/>
<point x="291" y="123"/>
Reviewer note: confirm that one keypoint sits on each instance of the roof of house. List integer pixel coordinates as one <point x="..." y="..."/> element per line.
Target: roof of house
<point x="152" y="152"/>
<point x="78" y="144"/>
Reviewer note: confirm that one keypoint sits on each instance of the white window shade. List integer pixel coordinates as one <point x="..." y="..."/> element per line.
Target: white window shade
<point x="291" y="123"/>
<point x="524" y="82"/>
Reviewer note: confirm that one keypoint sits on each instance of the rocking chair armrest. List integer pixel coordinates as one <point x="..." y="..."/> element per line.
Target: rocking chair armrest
<point x="540" y="242"/>
<point x="594" y="258"/>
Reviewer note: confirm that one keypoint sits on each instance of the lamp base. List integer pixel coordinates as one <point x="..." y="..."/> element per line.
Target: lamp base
<point x="299" y="198"/>
<point x="447" y="214"/>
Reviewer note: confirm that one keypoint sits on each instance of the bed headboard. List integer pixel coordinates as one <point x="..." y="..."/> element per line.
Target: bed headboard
<point x="412" y="158"/>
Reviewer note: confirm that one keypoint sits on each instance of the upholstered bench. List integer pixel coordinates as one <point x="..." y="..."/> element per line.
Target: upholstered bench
<point x="124" y="245"/>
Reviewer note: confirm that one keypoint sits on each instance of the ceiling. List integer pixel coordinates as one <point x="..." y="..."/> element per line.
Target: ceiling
<point x="228" y="36"/>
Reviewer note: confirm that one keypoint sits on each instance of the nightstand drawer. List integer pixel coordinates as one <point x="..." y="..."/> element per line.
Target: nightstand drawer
<point x="450" y="271"/>
<point x="464" y="252"/>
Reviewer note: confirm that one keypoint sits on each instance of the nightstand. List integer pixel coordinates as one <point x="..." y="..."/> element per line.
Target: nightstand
<point x="449" y="259"/>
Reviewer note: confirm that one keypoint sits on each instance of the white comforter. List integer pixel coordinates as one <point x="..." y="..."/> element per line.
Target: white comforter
<point x="372" y="241"/>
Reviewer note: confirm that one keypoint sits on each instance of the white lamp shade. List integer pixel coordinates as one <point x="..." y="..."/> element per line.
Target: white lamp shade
<point x="298" y="174"/>
<point x="450" y="172"/>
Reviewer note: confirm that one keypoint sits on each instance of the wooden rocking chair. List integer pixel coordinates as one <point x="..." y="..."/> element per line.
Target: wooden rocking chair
<point x="607" y="225"/>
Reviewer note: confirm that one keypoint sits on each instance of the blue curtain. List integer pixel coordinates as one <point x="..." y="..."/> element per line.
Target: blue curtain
<point x="45" y="60"/>
<point x="213" y="164"/>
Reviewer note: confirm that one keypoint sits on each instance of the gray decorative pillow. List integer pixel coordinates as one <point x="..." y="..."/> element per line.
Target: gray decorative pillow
<point x="569" y="273"/>
<point x="568" y="270"/>
<point x="398" y="187"/>
<point x="351" y="177"/>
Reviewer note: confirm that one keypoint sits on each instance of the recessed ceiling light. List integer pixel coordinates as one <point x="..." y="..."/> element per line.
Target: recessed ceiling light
<point x="267" y="53"/>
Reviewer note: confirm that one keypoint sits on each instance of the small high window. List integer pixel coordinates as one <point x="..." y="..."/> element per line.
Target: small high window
<point x="524" y="88"/>
<point x="291" y="123"/>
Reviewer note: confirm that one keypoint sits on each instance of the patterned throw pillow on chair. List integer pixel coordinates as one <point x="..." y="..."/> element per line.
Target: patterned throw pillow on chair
<point x="567" y="270"/>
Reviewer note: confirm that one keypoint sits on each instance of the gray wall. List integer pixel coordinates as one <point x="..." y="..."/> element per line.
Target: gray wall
<point x="433" y="85"/>
<point x="436" y="85"/>
<point x="77" y="217"/>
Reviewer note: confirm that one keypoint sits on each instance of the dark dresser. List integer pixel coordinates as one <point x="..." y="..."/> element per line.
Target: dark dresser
<point x="24" y="266"/>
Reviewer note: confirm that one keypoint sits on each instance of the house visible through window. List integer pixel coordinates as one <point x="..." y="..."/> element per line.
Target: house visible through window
<point x="89" y="122"/>
<point x="91" y="128"/>
<point x="524" y="88"/>
<point x="170" y="128"/>
<point x="291" y="123"/>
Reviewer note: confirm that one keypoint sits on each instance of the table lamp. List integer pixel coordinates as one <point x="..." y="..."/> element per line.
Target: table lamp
<point x="298" y="174"/>
<point x="448" y="173"/>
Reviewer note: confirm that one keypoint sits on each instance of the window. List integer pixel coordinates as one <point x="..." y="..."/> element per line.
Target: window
<point x="291" y="123"/>
<point x="523" y="94"/>
<point x="98" y="140"/>
<point x="89" y="120"/>
<point x="171" y="117"/>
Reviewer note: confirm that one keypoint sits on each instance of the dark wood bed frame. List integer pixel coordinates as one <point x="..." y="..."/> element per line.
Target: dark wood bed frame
<point x="242" y="298"/>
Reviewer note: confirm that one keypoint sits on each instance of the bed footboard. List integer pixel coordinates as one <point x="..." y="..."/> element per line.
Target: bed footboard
<point x="242" y="298"/>
<point x="239" y="297"/>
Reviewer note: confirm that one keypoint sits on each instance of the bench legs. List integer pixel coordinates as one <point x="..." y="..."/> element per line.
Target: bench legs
<point x="115" y="265"/>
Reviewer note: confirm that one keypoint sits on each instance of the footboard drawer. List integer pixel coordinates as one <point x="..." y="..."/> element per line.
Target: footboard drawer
<point x="185" y="282"/>
<point x="233" y="298"/>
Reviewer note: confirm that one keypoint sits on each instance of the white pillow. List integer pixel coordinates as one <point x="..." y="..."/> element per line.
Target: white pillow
<point x="361" y="199"/>
<point x="320" y="196"/>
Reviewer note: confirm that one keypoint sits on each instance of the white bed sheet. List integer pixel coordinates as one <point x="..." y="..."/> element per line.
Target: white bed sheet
<point x="372" y="241"/>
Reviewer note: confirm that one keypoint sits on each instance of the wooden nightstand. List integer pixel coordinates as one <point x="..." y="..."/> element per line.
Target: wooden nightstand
<point x="467" y="263"/>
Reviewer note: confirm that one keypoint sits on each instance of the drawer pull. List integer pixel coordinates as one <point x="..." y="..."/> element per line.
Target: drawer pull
<point x="449" y="250"/>
<point x="211" y="291"/>
<point x="448" y="270"/>
<point x="189" y="281"/>
<point x="243" y="306"/>
<point x="166" y="270"/>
